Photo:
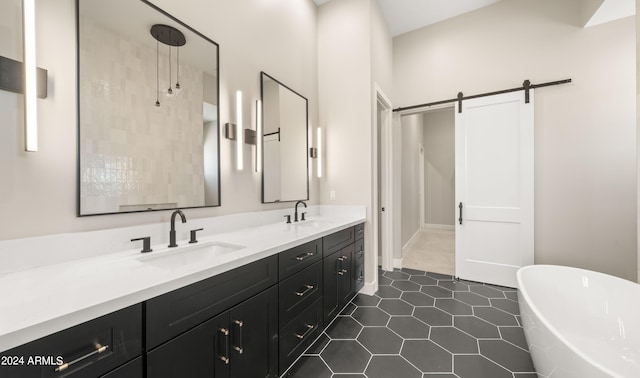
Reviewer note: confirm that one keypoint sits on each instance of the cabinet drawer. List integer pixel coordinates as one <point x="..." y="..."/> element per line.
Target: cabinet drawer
<point x="298" y="291"/>
<point x="299" y="334"/>
<point x="173" y="313"/>
<point x="132" y="369"/>
<point x="359" y="254"/>
<point x="298" y="258"/>
<point x="90" y="349"/>
<point x="337" y="241"/>
<point x="359" y="229"/>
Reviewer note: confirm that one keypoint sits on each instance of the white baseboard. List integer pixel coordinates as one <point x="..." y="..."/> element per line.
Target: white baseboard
<point x="409" y="244"/>
<point x="370" y="288"/>
<point x="439" y="226"/>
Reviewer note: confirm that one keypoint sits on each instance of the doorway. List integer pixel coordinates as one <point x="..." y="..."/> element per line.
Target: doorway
<point x="428" y="191"/>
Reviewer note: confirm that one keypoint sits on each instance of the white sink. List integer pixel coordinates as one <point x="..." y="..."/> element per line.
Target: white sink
<point x="195" y="254"/>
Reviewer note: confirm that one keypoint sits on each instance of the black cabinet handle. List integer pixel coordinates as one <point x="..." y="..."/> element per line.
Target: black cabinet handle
<point x="238" y="324"/>
<point x="305" y="290"/>
<point x="460" y="218"/>
<point x="304" y="256"/>
<point x="341" y="269"/>
<point x="225" y="356"/>
<point x="306" y="332"/>
<point x="99" y="349"/>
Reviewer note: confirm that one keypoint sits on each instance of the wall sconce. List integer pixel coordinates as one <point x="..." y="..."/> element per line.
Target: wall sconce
<point x="259" y="136"/>
<point x="25" y="78"/>
<point x="233" y="131"/>
<point x="30" y="84"/>
<point x="315" y="152"/>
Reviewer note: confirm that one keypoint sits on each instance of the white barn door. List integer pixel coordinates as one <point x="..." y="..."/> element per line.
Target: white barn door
<point x="494" y="187"/>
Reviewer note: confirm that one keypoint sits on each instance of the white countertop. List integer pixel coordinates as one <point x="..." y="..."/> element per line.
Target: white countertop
<point x="40" y="301"/>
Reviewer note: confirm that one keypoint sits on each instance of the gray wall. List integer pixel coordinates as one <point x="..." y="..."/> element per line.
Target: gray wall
<point x="585" y="132"/>
<point x="439" y="166"/>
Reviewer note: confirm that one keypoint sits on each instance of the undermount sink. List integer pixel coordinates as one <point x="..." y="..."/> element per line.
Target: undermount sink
<point x="179" y="257"/>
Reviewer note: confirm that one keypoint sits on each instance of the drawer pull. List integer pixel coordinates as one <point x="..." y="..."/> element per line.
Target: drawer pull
<point x="360" y="253"/>
<point x="306" y="332"/>
<point x="342" y="258"/>
<point x="238" y="348"/>
<point x="99" y="349"/>
<point x="305" y="291"/>
<point x="304" y="256"/>
<point x="342" y="272"/>
<point x="225" y="356"/>
<point x="360" y="278"/>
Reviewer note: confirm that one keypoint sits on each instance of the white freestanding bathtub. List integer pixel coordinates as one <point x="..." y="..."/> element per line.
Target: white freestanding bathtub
<point x="580" y="323"/>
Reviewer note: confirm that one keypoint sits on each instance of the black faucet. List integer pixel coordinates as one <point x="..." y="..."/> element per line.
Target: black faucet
<point x="295" y="217"/>
<point x="172" y="232"/>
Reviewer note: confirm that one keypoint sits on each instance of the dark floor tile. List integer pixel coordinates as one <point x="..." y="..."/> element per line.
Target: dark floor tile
<point x="506" y="305"/>
<point x="476" y="366"/>
<point x="471" y="298"/>
<point x="417" y="298"/>
<point x="345" y="356"/>
<point x="397" y="275"/>
<point x="380" y="340"/>
<point x="525" y="375"/>
<point x="507" y="355"/>
<point x="413" y="272"/>
<point x="344" y="327"/>
<point x="433" y="316"/>
<point x="388" y="292"/>
<point x="437" y="292"/>
<point x="426" y="356"/>
<point x="366" y="300"/>
<point x="391" y="366"/>
<point x="513" y="295"/>
<point x="409" y="327"/>
<point x="514" y="335"/>
<point x="371" y="316"/>
<point x="495" y="316"/>
<point x="500" y="288"/>
<point x="318" y="345"/>
<point x="427" y="375"/>
<point x="454" y="340"/>
<point x="476" y="327"/>
<point x="384" y="281"/>
<point x="423" y="280"/>
<point x="348" y="309"/>
<point x="454" y="285"/>
<point x="406" y="285"/>
<point x="486" y="291"/>
<point x="309" y="366"/>
<point x="396" y="307"/>
<point x="453" y="306"/>
<point x="519" y="319"/>
<point x="349" y="376"/>
<point x="440" y="276"/>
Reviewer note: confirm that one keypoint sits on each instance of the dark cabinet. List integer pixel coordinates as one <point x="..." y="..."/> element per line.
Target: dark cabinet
<point x="338" y="288"/>
<point x="240" y="342"/>
<point x="90" y="349"/>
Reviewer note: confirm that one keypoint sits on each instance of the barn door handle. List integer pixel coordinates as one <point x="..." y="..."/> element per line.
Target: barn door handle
<point x="460" y="218"/>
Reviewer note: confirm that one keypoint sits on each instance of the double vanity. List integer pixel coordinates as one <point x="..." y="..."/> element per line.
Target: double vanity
<point x="244" y="302"/>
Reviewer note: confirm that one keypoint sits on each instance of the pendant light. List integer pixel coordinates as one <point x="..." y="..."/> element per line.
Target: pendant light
<point x="171" y="37"/>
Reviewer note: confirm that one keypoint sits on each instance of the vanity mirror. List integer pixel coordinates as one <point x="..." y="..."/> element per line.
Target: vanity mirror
<point x="285" y="175"/>
<point x="148" y="117"/>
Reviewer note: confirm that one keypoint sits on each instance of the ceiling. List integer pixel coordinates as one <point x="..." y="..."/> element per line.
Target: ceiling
<point x="403" y="16"/>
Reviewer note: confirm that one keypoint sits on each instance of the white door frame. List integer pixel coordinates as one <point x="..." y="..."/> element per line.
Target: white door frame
<point x="421" y="186"/>
<point x="386" y="152"/>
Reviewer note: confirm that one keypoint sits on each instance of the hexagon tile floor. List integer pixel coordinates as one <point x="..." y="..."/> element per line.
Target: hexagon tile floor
<point x="422" y="325"/>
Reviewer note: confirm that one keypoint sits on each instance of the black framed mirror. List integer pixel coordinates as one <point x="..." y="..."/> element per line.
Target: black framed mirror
<point x="285" y="142"/>
<point x="148" y="114"/>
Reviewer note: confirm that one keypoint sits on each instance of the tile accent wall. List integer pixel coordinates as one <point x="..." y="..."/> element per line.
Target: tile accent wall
<point x="134" y="153"/>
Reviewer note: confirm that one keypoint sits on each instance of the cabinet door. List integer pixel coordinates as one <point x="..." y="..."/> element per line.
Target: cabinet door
<point x="195" y="353"/>
<point x="330" y="297"/>
<point x="346" y="284"/>
<point x="254" y="336"/>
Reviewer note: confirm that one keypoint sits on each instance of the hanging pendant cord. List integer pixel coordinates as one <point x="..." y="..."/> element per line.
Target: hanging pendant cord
<point x="178" y="69"/>
<point x="170" y="91"/>
<point x="157" y="75"/>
